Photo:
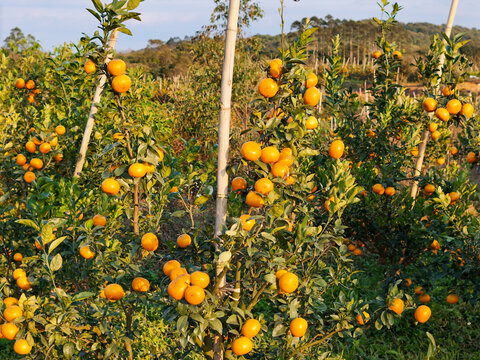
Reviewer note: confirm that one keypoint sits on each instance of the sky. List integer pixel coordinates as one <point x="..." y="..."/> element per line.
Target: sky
<point x="54" y="22"/>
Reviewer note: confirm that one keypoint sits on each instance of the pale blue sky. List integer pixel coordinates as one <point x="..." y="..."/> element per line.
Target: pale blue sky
<point x="56" y="21"/>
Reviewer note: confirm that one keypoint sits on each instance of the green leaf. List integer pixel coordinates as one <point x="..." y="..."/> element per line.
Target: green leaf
<point x="68" y="350"/>
<point x="182" y="323"/>
<point x="124" y="30"/>
<point x="201" y="200"/>
<point x="29" y="223"/>
<point x="98" y="5"/>
<point x="83" y="295"/>
<point x="55" y="243"/>
<point x="56" y="262"/>
<point x="132" y="4"/>
<point x="47" y="234"/>
<point x="216" y="325"/>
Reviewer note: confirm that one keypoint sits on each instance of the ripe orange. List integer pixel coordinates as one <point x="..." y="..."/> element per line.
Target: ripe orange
<point x="137" y="170"/>
<point x="86" y="252"/>
<point x="397" y="54"/>
<point x="471" y="157"/>
<point x="194" y="295"/>
<point x="239" y="184"/>
<point x="241" y="346"/>
<point x="99" y="220"/>
<point x="376" y="54"/>
<point x="110" y="186"/>
<point x="454" y="196"/>
<point x="251" y="328"/>
<point x="12" y="312"/>
<point x="424" y="298"/>
<point x="419" y="290"/>
<point x="452" y="298"/>
<point x="23" y="283"/>
<point x="275" y="68"/>
<point x="408" y="282"/>
<point x="54" y="141"/>
<point x="378" y="189"/>
<point x="351" y="247"/>
<point x="169" y="266"/>
<point x="422" y="314"/>
<point x="467" y="110"/>
<point x="20" y="159"/>
<point x="440" y="161"/>
<point x="454" y="106"/>
<point x="290" y="180"/>
<point x="288" y="282"/>
<point x="185" y="278"/>
<point x="29" y="177"/>
<point x="140" y="284"/>
<point x="116" y="67"/>
<point x="251" y="151"/>
<point x="31" y="147"/>
<point x="30" y="84"/>
<point x="447" y="91"/>
<point x="150" y="242"/>
<point x="389" y="191"/>
<point x="9" y="301"/>
<point x="45" y="148"/>
<point x="176" y="272"/>
<point x="432" y="127"/>
<point x="298" y="327"/>
<point x="89" y="66"/>
<point x="58" y="158"/>
<point x="312" y="80"/>
<point x="280" y="169"/>
<point x="263" y="186"/>
<point x="18" y="273"/>
<point x="9" y="330"/>
<point x="121" y="83"/>
<point x="443" y="114"/>
<point x="429" y="104"/>
<point x="254" y="200"/>
<point x="270" y="155"/>
<point x="311" y="123"/>
<point x="36" y="163"/>
<point x="435" y="245"/>
<point x="336" y="149"/>
<point x="280" y="273"/>
<point x="176" y="289"/>
<point x="199" y="278"/>
<point x="429" y="189"/>
<point x="436" y="135"/>
<point x="114" y="292"/>
<point x="247" y="224"/>
<point x="357" y="252"/>
<point x="60" y="130"/>
<point x="414" y="151"/>
<point x="397" y="306"/>
<point x="174" y="189"/>
<point x="20" y="83"/>
<point x="268" y="88"/>
<point x="183" y="241"/>
<point x="311" y="96"/>
<point x="22" y="347"/>
<point x="17" y="257"/>
<point x="363" y="320"/>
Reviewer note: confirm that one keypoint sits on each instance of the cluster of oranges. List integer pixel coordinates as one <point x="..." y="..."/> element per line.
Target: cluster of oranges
<point x="380" y="190"/>
<point x="9" y="330"/>
<point x="184" y="285"/>
<point x="120" y="83"/>
<point x="86" y="251"/>
<point x="42" y="144"/>
<point x="30" y="86"/>
<point x="354" y="249"/>
<point x="114" y="292"/>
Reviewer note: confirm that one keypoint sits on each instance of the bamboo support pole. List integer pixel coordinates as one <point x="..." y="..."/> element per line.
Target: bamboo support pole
<point x="423" y="144"/>
<point x="93" y="109"/>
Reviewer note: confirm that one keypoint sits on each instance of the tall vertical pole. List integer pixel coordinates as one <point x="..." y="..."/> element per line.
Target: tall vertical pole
<point x="425" y="136"/>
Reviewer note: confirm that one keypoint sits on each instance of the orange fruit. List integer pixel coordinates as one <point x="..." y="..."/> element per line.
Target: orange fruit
<point x="9" y="301"/>
<point x="336" y="149"/>
<point x="471" y="157"/>
<point x="36" y="163"/>
<point x="194" y="295"/>
<point x="31" y="147"/>
<point x="185" y="278"/>
<point x="429" y="189"/>
<point x="440" y="161"/>
<point x="263" y="186"/>
<point x="9" y="331"/>
<point x="452" y="298"/>
<point x="247" y="224"/>
<point x="241" y="346"/>
<point x="254" y="200"/>
<point x="199" y="278"/>
<point x="432" y="127"/>
<point x="298" y="327"/>
<point x="23" y="283"/>
<point x="443" y="114"/>
<point x="447" y="91"/>
<point x="280" y="273"/>
<point x="378" y="189"/>
<point x="99" y="220"/>
<point x="357" y="252"/>
<point x="239" y="184"/>
<point x="467" y="110"/>
<point x="116" y="67"/>
<point x="435" y="245"/>
<point x="288" y="282"/>
<point x="268" y="87"/>
<point x="86" y="252"/>
<point x="436" y="135"/>
<point x="20" y="159"/>
<point x="176" y="272"/>
<point x="183" y="241"/>
<point x="280" y="169"/>
<point x="429" y="104"/>
<point x="114" y="292"/>
<point x="454" y="107"/>
<point x="453" y="150"/>
<point x="17" y="257"/>
<point x="12" y="312"/>
<point x="18" y="273"/>
<point x="397" y="306"/>
<point x="311" y="96"/>
<point x="251" y="151"/>
<point x="38" y="246"/>
<point x="312" y="80"/>
<point x="45" y="148"/>
<point x="376" y="54"/>
<point x="414" y="151"/>
<point x="270" y="155"/>
<point x="177" y="289"/>
<point x="30" y="84"/>
<point x="110" y="186"/>
<point x="137" y="170"/>
<point x="53" y="142"/>
<point x="89" y="67"/>
<point x="397" y="54"/>
<point x="290" y="180"/>
<point x="150" y="242"/>
<point x="275" y="68"/>
<point x="408" y="282"/>
<point x="454" y="196"/>
<point x="389" y="191"/>
<point x="20" y="83"/>
<point x="424" y="298"/>
<point x="251" y="328"/>
<point x="422" y="314"/>
<point x="140" y="284"/>
<point x="169" y="266"/>
<point x="351" y="247"/>
<point x="58" y="158"/>
<point x="419" y="290"/>
<point x="311" y="123"/>
<point x="363" y="320"/>
<point x="121" y="83"/>
<point x="22" y="347"/>
<point x="60" y="130"/>
<point x="29" y="177"/>
<point x="174" y="189"/>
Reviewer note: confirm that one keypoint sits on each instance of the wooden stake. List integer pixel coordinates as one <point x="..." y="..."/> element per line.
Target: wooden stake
<point x="426" y="133"/>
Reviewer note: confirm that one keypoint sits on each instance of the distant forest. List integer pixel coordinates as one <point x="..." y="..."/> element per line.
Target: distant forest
<point x="174" y="57"/>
